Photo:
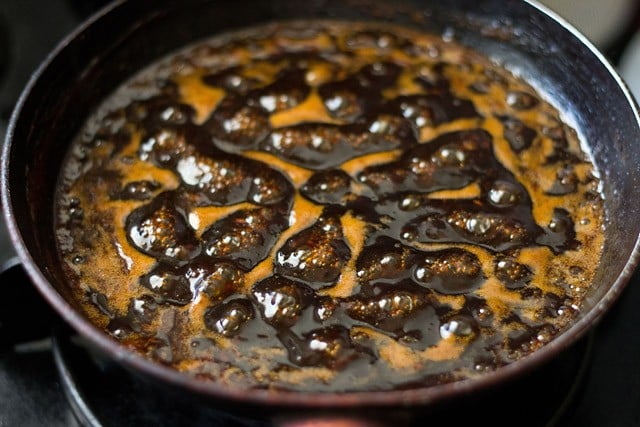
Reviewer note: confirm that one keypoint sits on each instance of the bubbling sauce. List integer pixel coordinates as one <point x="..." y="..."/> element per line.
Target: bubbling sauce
<point x="326" y="206"/>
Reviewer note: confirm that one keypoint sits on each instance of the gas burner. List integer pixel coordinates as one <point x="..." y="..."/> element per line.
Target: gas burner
<point x="30" y="393"/>
<point x="124" y="399"/>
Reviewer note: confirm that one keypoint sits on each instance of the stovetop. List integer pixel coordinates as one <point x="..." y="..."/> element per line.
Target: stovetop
<point x="47" y="378"/>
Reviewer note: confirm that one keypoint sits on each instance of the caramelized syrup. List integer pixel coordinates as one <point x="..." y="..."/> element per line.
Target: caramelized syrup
<point x="329" y="206"/>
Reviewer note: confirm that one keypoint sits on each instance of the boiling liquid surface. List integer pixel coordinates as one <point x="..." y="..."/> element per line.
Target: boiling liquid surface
<point x="327" y="206"/>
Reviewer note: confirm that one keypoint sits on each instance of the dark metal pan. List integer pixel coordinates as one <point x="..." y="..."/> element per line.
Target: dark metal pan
<point x="127" y="35"/>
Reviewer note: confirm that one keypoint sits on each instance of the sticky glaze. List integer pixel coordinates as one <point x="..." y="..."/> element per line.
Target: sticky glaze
<point x="328" y="206"/>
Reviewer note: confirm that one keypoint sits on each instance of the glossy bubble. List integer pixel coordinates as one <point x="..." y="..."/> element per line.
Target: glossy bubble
<point x="330" y="346"/>
<point x="316" y="255"/>
<point x="504" y="194"/>
<point x="281" y="300"/>
<point x="451" y="272"/>
<point x="169" y="284"/>
<point x="159" y="229"/>
<point x="246" y="236"/>
<point x="327" y="187"/>
<point x="229" y="317"/>
<point x="513" y="274"/>
<point x="217" y="279"/>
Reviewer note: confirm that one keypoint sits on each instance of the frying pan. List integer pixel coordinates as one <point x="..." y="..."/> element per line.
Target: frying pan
<point x="127" y="35"/>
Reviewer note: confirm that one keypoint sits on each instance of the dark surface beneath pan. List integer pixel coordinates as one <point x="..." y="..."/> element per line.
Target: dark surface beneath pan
<point x="128" y="35"/>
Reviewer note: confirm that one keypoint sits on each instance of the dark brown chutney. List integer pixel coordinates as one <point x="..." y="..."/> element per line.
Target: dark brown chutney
<point x="322" y="206"/>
